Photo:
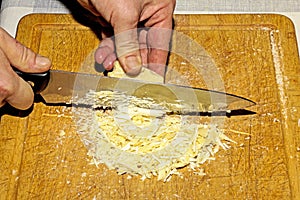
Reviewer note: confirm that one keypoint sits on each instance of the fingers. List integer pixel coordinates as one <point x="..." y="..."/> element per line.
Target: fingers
<point x="159" y="36"/>
<point x="13" y="89"/>
<point x="125" y="45"/>
<point x="20" y="56"/>
<point x="151" y="47"/>
<point x="143" y="46"/>
<point x="133" y="50"/>
<point x="123" y="16"/>
<point x="105" y="54"/>
<point x="22" y="97"/>
<point x="151" y="50"/>
<point x="127" y="48"/>
<point x="159" y="43"/>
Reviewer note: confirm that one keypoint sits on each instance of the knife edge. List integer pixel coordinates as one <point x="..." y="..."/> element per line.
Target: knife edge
<point x="62" y="87"/>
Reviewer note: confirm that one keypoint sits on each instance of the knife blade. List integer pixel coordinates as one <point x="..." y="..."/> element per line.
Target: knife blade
<point x="61" y="87"/>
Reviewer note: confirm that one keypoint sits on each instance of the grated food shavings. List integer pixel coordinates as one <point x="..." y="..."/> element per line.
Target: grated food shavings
<point x="144" y="140"/>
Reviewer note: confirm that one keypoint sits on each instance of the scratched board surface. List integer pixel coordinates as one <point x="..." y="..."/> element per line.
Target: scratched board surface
<point x="42" y="157"/>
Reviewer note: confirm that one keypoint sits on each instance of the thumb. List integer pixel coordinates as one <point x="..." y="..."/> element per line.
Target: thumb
<point x="127" y="48"/>
<point x="20" y="56"/>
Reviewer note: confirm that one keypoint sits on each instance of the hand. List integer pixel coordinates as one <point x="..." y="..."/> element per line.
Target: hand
<point x="13" y="89"/>
<point x="148" y="47"/>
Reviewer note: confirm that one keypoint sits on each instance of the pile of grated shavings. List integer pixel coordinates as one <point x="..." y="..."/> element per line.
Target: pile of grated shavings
<point x="138" y="137"/>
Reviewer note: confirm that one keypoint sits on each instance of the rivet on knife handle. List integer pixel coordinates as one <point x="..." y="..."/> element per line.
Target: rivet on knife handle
<point x="38" y="81"/>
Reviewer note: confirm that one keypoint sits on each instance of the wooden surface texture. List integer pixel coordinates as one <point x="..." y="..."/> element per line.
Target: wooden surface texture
<point x="42" y="157"/>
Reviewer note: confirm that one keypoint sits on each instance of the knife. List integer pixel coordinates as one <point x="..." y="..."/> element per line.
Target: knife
<point x="61" y="87"/>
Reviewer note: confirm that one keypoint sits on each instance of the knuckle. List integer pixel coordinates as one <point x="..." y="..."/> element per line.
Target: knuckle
<point x="25" y="55"/>
<point x="27" y="58"/>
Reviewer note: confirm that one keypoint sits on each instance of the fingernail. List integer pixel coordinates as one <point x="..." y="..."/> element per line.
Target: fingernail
<point x="133" y="65"/>
<point x="42" y="61"/>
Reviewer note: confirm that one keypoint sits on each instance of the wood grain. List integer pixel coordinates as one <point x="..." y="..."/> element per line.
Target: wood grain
<point x="42" y="157"/>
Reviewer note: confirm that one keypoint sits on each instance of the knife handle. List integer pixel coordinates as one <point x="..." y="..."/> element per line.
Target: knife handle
<point x="38" y="81"/>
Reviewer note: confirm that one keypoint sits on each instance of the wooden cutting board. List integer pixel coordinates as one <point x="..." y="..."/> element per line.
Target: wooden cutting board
<point x="42" y="157"/>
